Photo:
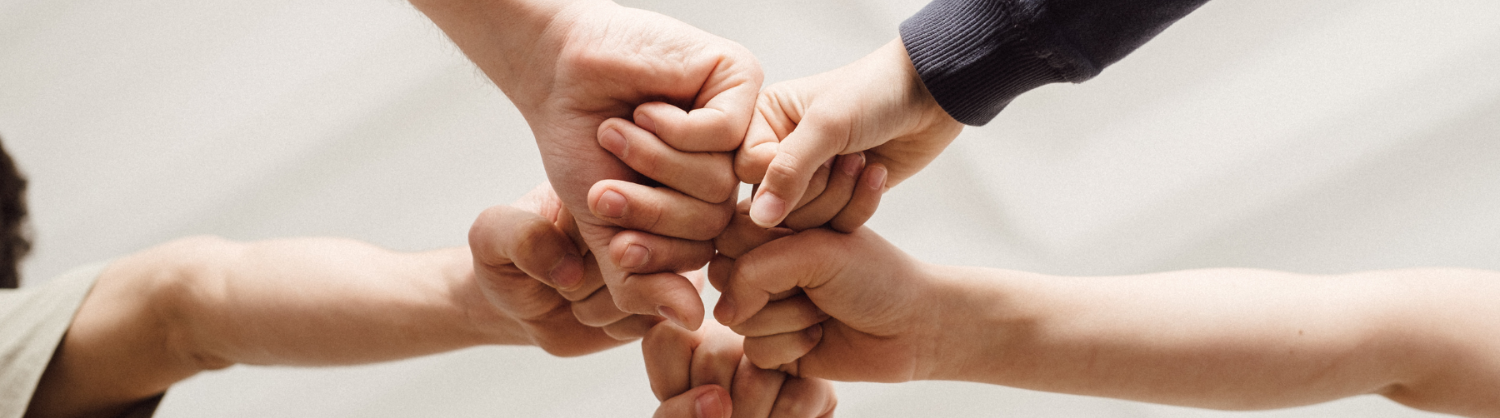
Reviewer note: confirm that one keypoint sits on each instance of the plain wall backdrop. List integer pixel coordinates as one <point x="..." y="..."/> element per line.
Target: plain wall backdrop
<point x="1313" y="136"/>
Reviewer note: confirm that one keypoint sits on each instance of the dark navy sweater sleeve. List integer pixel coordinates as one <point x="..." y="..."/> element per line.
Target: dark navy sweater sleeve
<point x="975" y="56"/>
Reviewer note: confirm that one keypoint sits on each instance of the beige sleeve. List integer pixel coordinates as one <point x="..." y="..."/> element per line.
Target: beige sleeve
<point x="32" y="323"/>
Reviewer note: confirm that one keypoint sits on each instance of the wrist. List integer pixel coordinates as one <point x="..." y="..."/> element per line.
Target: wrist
<point x="514" y="42"/>
<point x="480" y="319"/>
<point x="980" y="322"/>
<point x="919" y="101"/>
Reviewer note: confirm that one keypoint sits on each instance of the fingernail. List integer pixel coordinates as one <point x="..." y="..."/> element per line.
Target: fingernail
<point x="814" y="333"/>
<point x="635" y="256"/>
<point x="645" y="122"/>
<point x="611" y="204"/>
<point x="767" y="209"/>
<point x="851" y="165"/>
<point x="709" y="405"/>
<point x="724" y="311"/>
<point x="877" y="178"/>
<point x="613" y="141"/>
<point x="567" y="273"/>
<point x="671" y="315"/>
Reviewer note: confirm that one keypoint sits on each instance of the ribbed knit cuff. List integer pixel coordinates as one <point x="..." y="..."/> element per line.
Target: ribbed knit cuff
<point x="975" y="56"/>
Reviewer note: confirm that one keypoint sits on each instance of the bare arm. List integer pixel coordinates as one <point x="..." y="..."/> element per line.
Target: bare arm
<point x="166" y="313"/>
<point x="1243" y="339"/>
<point x="1220" y="338"/>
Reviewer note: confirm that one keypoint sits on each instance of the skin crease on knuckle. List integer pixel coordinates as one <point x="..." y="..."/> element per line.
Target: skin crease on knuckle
<point x="539" y="246"/>
<point x="692" y="173"/>
<point x="631" y="328"/>
<point x="597" y="311"/>
<point x="664" y="254"/>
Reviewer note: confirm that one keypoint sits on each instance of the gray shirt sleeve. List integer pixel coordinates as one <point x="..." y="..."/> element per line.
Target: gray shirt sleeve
<point x="975" y="56"/>
<point x="32" y="324"/>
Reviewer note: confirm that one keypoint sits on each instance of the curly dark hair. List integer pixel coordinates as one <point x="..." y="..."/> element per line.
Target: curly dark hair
<point x="15" y="237"/>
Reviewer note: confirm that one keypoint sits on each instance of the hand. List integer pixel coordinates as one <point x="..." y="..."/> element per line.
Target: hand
<point x="570" y="66"/>
<point x="838" y="306"/>
<point x="514" y="246"/>
<point x="877" y="104"/>
<point x="704" y="374"/>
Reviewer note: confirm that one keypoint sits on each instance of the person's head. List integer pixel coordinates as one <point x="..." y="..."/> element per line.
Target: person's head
<point x="15" y="240"/>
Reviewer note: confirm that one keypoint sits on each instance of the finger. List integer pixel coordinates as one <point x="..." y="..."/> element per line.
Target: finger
<point x="807" y="259"/>
<point x="707" y="176"/>
<point x="660" y="211"/>
<point x="710" y="401"/>
<point x="816" y="185"/>
<point x="503" y="236"/>
<point x="755" y="390"/>
<point x="777" y="111"/>
<point x="639" y="252"/>
<point x="743" y="235"/>
<point x="841" y="184"/>
<point x="792" y="314"/>
<point x="669" y="295"/>
<point x="864" y="202"/>
<point x="668" y="352"/>
<point x="772" y="351"/>
<point x="598" y="310"/>
<point x="805" y="398"/>
<point x="719" y="272"/>
<point x="593" y="280"/>
<point x="721" y="110"/>
<point x="631" y="328"/>
<point x="797" y="158"/>
<point x="717" y="357"/>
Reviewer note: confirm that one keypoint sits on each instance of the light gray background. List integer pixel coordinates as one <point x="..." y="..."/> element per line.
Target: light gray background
<point x="1314" y="136"/>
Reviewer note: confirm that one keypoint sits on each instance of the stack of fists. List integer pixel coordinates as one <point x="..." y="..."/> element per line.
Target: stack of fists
<point x="647" y="126"/>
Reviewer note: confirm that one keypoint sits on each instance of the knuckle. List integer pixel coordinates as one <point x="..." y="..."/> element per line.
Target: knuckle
<point x="578" y="295"/>
<point x="585" y="315"/>
<point x="650" y="216"/>
<point x="646" y="160"/>
<point x="784" y="167"/>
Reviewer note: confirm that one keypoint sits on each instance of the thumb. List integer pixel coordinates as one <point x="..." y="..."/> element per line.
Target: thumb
<point x="707" y="401"/>
<point x="503" y="236"/>
<point x="809" y="146"/>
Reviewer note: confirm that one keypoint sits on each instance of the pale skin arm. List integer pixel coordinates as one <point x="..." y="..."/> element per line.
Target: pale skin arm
<point x="1221" y="338"/>
<point x="164" y="314"/>
<point x="1235" y="338"/>
<point x="159" y="316"/>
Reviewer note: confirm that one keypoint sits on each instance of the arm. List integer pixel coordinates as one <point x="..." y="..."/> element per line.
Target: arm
<point x="166" y="313"/>
<point x="975" y="56"/>
<point x="956" y="62"/>
<point x="1228" y="339"/>
<point x="1237" y="339"/>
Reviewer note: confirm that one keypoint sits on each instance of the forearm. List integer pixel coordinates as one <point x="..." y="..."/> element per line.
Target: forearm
<point x="162" y="315"/>
<point x="1238" y="339"/>
<point x="322" y="301"/>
